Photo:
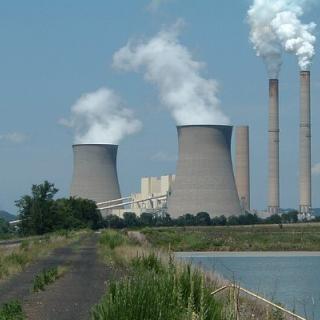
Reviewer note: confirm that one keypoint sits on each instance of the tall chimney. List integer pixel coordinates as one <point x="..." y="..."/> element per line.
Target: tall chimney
<point x="274" y="193"/>
<point x="95" y="172"/>
<point x="204" y="181"/>
<point x="305" y="143"/>
<point x="243" y="166"/>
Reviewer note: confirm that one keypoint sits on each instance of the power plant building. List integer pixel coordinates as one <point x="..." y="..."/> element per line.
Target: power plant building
<point x="154" y="188"/>
<point x="95" y="172"/>
<point x="204" y="178"/>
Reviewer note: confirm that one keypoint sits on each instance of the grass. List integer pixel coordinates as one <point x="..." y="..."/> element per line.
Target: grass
<point x="154" y="287"/>
<point x="297" y="237"/>
<point x="157" y="291"/>
<point x="14" y="260"/>
<point x="12" y="311"/>
<point x="46" y="277"/>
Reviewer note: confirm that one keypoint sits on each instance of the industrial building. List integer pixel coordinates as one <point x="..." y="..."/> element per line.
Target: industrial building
<point x="152" y="188"/>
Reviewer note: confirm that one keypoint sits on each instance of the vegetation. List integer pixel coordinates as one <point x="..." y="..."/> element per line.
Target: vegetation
<point x="156" y="287"/>
<point x="46" y="277"/>
<point x="14" y="260"/>
<point x="296" y="237"/>
<point x="40" y="213"/>
<point x="6" y="231"/>
<point x="159" y="292"/>
<point x="12" y="311"/>
<point x="148" y="219"/>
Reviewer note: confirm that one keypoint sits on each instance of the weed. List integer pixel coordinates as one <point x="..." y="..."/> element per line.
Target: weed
<point x="44" y="278"/>
<point x="12" y="311"/>
<point x="112" y="239"/>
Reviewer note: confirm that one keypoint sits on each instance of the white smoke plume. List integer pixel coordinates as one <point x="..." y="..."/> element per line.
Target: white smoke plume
<point x="168" y="64"/>
<point x="276" y="26"/>
<point x="100" y="117"/>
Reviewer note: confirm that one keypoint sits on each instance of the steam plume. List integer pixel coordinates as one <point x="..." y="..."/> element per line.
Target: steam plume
<point x="275" y="26"/>
<point x="100" y="117"/>
<point x="170" y="66"/>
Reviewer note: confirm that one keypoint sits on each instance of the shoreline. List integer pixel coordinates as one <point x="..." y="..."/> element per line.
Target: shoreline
<point x="243" y="254"/>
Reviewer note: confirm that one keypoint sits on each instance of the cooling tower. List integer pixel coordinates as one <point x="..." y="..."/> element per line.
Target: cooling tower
<point x="243" y="166"/>
<point x="305" y="143"/>
<point x="274" y="193"/>
<point x="204" y="179"/>
<point x="95" y="172"/>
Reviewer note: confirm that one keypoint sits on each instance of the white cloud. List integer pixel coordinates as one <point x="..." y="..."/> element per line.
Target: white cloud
<point x="14" y="137"/>
<point x="316" y="169"/>
<point x="162" y="156"/>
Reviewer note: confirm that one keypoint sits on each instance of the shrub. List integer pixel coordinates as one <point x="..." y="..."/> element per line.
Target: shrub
<point x="47" y="276"/>
<point x="112" y="239"/>
<point x="12" y="311"/>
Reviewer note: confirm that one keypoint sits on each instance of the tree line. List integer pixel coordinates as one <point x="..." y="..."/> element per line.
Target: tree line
<point x="40" y="213"/>
<point x="148" y="219"/>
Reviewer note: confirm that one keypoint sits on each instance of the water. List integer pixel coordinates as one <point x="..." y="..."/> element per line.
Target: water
<point x="292" y="279"/>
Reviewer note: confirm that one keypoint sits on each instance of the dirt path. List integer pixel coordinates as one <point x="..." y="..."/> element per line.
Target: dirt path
<point x="70" y="297"/>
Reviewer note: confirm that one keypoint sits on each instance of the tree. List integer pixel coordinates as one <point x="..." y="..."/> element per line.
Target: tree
<point x="274" y="219"/>
<point x="38" y="212"/>
<point x="203" y="219"/>
<point x="113" y="221"/>
<point x="5" y="228"/>
<point x="290" y="217"/>
<point x="147" y="219"/>
<point x="233" y="220"/>
<point x="219" y="221"/>
<point x="130" y="219"/>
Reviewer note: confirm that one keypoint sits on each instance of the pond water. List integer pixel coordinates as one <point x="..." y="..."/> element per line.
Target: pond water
<point x="291" y="278"/>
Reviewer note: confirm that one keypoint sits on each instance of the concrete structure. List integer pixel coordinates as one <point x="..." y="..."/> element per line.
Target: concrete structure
<point x="305" y="144"/>
<point x="95" y="172"/>
<point x="152" y="187"/>
<point x="243" y="166"/>
<point x="204" y="179"/>
<point x="274" y="191"/>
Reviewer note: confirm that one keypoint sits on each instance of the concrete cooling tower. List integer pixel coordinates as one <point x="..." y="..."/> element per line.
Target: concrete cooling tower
<point x="95" y="172"/>
<point x="204" y="179"/>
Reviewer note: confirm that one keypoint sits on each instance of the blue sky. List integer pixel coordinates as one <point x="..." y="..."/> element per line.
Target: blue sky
<point x="54" y="51"/>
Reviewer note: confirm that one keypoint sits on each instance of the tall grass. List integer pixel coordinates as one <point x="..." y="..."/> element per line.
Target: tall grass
<point x="12" y="311"/>
<point x="237" y="238"/>
<point x="159" y="291"/>
<point x="15" y="260"/>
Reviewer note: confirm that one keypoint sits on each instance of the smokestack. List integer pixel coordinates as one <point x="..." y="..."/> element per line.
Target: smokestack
<point x="305" y="143"/>
<point x="204" y="180"/>
<point x="95" y="172"/>
<point x="274" y="193"/>
<point x="243" y="166"/>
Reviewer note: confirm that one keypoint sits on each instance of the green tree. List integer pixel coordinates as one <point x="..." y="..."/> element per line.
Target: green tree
<point x="130" y="219"/>
<point x="147" y="219"/>
<point x="5" y="228"/>
<point x="203" y="219"/>
<point x="38" y="211"/>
